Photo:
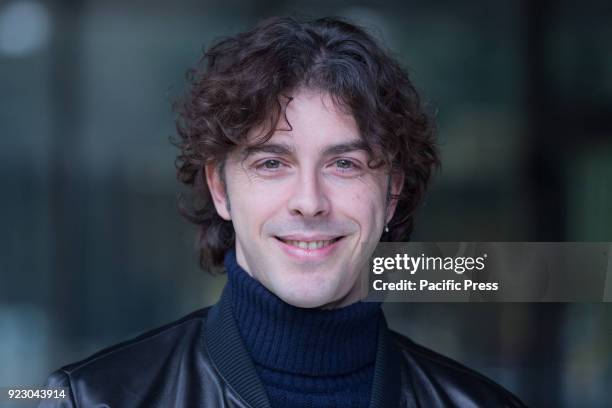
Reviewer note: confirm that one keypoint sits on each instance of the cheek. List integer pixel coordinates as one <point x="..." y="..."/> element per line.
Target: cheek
<point x="368" y="198"/>
<point x="364" y="207"/>
<point x="253" y="204"/>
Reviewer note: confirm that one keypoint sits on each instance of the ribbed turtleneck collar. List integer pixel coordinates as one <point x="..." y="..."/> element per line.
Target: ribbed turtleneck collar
<point x="296" y="340"/>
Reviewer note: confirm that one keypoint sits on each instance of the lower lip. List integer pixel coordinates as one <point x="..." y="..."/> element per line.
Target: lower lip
<point x="308" y="254"/>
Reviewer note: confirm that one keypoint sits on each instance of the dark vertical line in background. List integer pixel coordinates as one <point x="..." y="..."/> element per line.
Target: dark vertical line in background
<point x="543" y="176"/>
<point x="545" y="143"/>
<point x="66" y="189"/>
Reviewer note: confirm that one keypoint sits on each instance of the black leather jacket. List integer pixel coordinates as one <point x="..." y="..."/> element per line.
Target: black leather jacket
<point x="201" y="361"/>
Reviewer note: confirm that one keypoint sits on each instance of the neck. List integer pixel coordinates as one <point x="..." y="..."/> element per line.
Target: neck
<point x="299" y="340"/>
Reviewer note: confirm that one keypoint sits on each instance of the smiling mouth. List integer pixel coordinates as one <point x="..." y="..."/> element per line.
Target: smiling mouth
<point x="310" y="245"/>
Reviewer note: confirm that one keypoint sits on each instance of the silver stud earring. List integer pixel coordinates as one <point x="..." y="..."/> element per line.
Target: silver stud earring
<point x="386" y="228"/>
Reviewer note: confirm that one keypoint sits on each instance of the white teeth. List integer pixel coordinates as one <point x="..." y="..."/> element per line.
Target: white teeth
<point x="309" y="245"/>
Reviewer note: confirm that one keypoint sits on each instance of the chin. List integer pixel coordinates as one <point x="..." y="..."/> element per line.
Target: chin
<point x="306" y="302"/>
<point x="305" y="297"/>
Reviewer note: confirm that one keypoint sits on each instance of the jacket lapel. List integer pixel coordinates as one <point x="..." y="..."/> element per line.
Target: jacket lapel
<point x="229" y="354"/>
<point x="386" y="384"/>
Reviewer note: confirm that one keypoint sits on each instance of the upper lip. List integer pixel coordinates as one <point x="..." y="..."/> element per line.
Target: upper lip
<point x="308" y="238"/>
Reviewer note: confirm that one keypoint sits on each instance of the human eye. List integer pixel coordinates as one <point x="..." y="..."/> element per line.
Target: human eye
<point x="269" y="166"/>
<point x="346" y="166"/>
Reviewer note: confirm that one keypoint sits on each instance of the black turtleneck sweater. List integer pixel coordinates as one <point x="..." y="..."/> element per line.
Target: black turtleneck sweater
<point x="305" y="357"/>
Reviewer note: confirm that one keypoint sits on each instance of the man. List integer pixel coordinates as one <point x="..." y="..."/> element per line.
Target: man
<point x="305" y="144"/>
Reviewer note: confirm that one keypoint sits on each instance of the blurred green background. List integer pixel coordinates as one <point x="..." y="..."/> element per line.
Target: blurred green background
<point x="94" y="251"/>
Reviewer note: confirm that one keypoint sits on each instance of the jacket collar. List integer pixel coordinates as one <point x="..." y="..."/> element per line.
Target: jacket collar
<point x="234" y="364"/>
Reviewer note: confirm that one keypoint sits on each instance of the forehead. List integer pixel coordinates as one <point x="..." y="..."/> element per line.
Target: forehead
<point x="311" y="109"/>
<point x="312" y="118"/>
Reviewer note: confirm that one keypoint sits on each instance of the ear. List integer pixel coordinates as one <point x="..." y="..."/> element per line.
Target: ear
<point x="217" y="189"/>
<point x="397" y="182"/>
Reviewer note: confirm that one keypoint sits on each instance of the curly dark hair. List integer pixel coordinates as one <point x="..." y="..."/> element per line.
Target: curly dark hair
<point x="238" y="85"/>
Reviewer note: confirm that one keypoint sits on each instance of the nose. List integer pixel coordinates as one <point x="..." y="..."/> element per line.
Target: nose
<point x="309" y="198"/>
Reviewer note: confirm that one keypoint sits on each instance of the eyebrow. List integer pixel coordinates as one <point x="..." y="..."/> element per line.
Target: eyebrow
<point x="274" y="148"/>
<point x="346" y="147"/>
<point x="286" y="149"/>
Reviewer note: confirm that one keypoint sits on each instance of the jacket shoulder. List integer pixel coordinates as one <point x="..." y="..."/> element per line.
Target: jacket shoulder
<point x="159" y="339"/>
<point x="123" y="370"/>
<point x="446" y="382"/>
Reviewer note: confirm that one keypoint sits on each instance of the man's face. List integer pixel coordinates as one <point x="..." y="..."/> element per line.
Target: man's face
<point x="303" y="203"/>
